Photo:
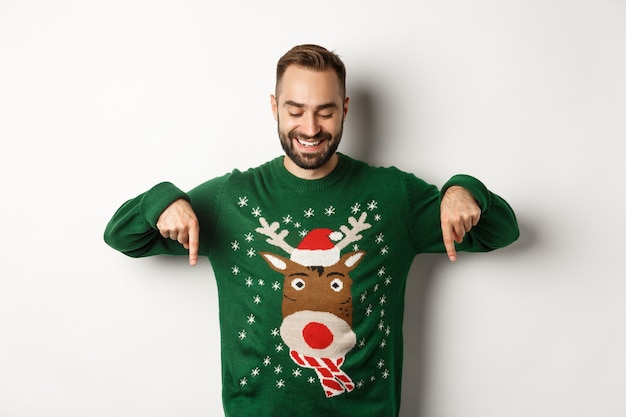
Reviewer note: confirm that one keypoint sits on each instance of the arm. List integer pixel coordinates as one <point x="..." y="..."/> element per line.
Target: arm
<point x="464" y="216"/>
<point x="159" y="221"/>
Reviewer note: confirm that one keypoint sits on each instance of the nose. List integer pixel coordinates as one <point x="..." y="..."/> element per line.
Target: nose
<point x="310" y="126"/>
<point x="317" y="335"/>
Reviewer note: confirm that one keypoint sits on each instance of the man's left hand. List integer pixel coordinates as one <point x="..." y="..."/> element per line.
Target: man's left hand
<point x="459" y="213"/>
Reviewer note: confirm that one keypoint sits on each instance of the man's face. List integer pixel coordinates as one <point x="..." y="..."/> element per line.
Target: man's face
<point x="310" y="110"/>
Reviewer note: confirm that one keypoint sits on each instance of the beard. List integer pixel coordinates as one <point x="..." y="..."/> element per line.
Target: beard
<point x="310" y="160"/>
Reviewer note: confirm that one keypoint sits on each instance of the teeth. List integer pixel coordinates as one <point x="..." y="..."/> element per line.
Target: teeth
<point x="304" y="143"/>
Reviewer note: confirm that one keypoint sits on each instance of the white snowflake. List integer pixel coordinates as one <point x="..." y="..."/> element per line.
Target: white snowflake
<point x="382" y="300"/>
<point x="287" y="219"/>
<point x="255" y="372"/>
<point x="261" y="282"/>
<point x="297" y="372"/>
<point x="377" y="217"/>
<point x="385" y="374"/>
<point x="309" y="213"/>
<point x="249" y="237"/>
<point x="235" y="270"/>
<point x="311" y="380"/>
<point x="280" y="383"/>
<point x="368" y="310"/>
<point x="360" y="383"/>
<point x="381" y="271"/>
<point x="373" y="378"/>
<point x="234" y="245"/>
<point x="380" y="238"/>
<point x="242" y="335"/>
<point x="376" y="287"/>
<point x="256" y="212"/>
<point x="380" y="364"/>
<point x="387" y="280"/>
<point x="243" y="382"/>
<point x="267" y="361"/>
<point x="279" y="347"/>
<point x="384" y="250"/>
<point x="361" y="343"/>
<point x="297" y="225"/>
<point x="303" y="233"/>
<point x="257" y="299"/>
<point x="329" y="211"/>
<point x="355" y="208"/>
<point x="243" y="201"/>
<point x="355" y="248"/>
<point x="251" y="319"/>
<point x="383" y="344"/>
<point x="382" y="313"/>
<point x="248" y="282"/>
<point x="251" y="253"/>
<point x="381" y="325"/>
<point x="278" y="369"/>
<point x="275" y="332"/>
<point x="387" y="331"/>
<point x="372" y="205"/>
<point x="276" y="285"/>
<point x="363" y="296"/>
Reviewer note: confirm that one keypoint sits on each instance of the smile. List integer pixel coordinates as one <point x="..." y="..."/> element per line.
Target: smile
<point x="308" y="144"/>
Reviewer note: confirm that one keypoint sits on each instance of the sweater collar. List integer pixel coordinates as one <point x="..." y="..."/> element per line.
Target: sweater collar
<point x="311" y="185"/>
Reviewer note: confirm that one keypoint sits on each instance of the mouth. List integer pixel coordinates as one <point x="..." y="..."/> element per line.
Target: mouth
<point x="309" y="145"/>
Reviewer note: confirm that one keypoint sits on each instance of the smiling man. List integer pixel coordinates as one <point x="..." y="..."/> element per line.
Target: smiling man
<point x="311" y="253"/>
<point x="310" y="118"/>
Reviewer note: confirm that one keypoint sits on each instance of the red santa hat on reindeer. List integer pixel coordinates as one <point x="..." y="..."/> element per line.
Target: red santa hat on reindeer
<point x="317" y="248"/>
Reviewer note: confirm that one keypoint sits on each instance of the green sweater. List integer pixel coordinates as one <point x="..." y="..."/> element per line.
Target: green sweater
<point x="311" y="277"/>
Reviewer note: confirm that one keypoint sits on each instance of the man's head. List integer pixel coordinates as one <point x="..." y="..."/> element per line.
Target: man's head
<point x="310" y="105"/>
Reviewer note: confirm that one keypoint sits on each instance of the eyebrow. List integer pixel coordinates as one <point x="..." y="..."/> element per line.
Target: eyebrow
<point x="320" y="107"/>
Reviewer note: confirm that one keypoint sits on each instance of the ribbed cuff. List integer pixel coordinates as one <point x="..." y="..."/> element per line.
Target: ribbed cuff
<point x="474" y="186"/>
<point x="157" y="199"/>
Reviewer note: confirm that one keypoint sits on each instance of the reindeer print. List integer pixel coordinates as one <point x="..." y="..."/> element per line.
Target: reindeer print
<point x="317" y="300"/>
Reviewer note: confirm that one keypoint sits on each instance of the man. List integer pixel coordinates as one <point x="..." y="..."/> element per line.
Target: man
<point x="311" y="252"/>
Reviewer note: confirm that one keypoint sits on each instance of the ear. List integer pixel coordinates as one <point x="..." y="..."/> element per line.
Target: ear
<point x="346" y="103"/>
<point x="277" y="262"/>
<point x="352" y="259"/>
<point x="274" y="103"/>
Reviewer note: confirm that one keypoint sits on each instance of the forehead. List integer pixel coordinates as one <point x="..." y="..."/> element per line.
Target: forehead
<point x="306" y="86"/>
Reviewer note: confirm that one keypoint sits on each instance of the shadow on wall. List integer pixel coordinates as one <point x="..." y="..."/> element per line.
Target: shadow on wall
<point x="364" y="132"/>
<point x="361" y="129"/>
<point x="419" y="281"/>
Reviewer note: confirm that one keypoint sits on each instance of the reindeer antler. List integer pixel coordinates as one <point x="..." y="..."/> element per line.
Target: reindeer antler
<point x="352" y="235"/>
<point x="276" y="239"/>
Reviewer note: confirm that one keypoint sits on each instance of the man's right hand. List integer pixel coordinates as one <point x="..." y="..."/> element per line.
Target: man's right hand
<point x="179" y="222"/>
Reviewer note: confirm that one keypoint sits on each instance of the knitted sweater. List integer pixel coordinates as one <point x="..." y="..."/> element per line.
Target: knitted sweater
<point x="311" y="277"/>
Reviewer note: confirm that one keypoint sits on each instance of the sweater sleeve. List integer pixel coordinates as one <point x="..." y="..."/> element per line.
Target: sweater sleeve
<point x="132" y="229"/>
<point x="496" y="228"/>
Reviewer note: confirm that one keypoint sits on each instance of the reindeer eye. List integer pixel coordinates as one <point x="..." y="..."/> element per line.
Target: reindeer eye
<point x="298" y="284"/>
<point x="336" y="285"/>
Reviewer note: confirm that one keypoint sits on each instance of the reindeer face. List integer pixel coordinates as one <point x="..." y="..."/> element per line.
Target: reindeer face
<point x="317" y="305"/>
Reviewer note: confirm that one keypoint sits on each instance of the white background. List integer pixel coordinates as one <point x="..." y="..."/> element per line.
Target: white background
<point x="100" y="100"/>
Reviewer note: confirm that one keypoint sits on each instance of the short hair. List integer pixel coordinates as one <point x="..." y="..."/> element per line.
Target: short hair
<point x="312" y="57"/>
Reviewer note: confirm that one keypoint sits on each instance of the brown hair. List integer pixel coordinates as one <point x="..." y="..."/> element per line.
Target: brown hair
<point x="312" y="57"/>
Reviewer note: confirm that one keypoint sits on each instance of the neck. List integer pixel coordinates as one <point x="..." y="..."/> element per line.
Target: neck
<point x="311" y="174"/>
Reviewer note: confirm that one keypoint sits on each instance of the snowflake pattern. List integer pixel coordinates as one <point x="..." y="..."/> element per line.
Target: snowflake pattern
<point x="243" y="202"/>
<point x="371" y="299"/>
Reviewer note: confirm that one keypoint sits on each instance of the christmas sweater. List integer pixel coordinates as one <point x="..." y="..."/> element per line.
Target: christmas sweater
<point x="311" y="277"/>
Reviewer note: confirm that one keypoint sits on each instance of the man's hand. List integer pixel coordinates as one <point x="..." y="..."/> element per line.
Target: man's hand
<point x="459" y="213"/>
<point x="179" y="222"/>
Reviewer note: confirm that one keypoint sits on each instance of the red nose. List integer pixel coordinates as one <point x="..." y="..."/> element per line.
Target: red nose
<point x="317" y="335"/>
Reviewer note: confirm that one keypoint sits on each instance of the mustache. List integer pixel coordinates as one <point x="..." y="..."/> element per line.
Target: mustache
<point x="319" y="136"/>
